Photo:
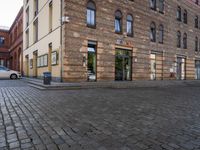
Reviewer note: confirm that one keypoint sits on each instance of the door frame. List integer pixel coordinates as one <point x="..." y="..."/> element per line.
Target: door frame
<point x="131" y="64"/>
<point x="95" y="44"/>
<point x="181" y="57"/>
<point x="35" y="69"/>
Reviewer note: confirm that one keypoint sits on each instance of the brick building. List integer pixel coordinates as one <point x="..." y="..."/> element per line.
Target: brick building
<point x="16" y="42"/>
<point x="4" y="46"/>
<point x="124" y="40"/>
<point x="11" y="44"/>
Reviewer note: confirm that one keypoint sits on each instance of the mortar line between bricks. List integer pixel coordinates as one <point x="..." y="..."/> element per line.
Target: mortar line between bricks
<point x="39" y="123"/>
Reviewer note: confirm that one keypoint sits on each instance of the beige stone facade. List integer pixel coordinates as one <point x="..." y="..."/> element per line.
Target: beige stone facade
<point x="118" y="56"/>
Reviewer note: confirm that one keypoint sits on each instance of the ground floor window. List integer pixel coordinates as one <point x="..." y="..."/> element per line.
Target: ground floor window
<point x="123" y="65"/>
<point x="92" y="65"/>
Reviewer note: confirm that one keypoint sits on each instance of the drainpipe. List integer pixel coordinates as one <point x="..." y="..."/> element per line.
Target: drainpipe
<point x="61" y="42"/>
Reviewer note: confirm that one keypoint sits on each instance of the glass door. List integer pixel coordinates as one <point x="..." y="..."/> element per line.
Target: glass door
<point x="153" y="66"/>
<point x="181" y="68"/>
<point x="197" y="68"/>
<point x="92" y="62"/>
<point x="123" y="65"/>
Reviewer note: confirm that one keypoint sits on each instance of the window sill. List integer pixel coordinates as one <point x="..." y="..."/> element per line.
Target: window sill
<point x="130" y="35"/>
<point x="118" y="32"/>
<point x="91" y="26"/>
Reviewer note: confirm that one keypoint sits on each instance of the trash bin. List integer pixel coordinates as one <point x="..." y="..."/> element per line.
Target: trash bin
<point x="47" y="78"/>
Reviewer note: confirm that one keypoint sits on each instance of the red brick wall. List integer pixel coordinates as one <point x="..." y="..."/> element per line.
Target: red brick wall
<point x="16" y="42"/>
<point x="4" y="49"/>
<point x="77" y="35"/>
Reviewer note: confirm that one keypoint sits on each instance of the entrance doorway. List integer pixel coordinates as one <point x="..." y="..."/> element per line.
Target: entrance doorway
<point x="197" y="68"/>
<point x="181" y="64"/>
<point x="156" y="62"/>
<point x="92" y="61"/>
<point x="123" y="65"/>
<point x="49" y="58"/>
<point x="35" y="72"/>
<point x="27" y="65"/>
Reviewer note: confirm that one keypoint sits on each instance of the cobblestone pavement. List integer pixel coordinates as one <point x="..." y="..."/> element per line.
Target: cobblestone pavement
<point x="99" y="119"/>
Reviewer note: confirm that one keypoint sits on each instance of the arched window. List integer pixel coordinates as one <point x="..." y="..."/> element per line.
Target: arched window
<point x="91" y="14"/>
<point x="178" y="39"/>
<point x="161" y="6"/>
<point x="118" y="21"/>
<point x="161" y="33"/>
<point x="196" y="20"/>
<point x="152" y="4"/>
<point x="185" y="16"/>
<point x="196" y="44"/>
<point x="153" y="32"/>
<point x="129" y="25"/>
<point x="185" y="41"/>
<point x="178" y="13"/>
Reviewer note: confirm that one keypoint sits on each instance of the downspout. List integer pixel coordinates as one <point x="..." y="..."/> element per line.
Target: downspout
<point x="61" y="42"/>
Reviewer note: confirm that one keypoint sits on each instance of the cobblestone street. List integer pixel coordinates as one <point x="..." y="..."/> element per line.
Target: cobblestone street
<point x="99" y="119"/>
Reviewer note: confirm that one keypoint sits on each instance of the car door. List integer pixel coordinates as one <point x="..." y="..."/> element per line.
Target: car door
<point x="3" y="72"/>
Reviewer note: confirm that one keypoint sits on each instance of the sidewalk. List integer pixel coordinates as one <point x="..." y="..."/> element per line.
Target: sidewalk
<point x="38" y="83"/>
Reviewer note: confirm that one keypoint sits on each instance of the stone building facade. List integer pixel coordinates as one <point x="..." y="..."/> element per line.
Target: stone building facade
<point x="104" y="40"/>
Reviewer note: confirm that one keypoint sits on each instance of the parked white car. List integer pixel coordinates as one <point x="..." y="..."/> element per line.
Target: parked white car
<point x="7" y="73"/>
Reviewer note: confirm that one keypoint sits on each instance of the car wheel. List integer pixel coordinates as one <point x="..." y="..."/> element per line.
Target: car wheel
<point x="13" y="76"/>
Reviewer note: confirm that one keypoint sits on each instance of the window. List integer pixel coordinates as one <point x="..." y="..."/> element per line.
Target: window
<point x="27" y="38"/>
<point x="185" y="17"/>
<point x="196" y="20"/>
<point x="179" y="39"/>
<point x="129" y="26"/>
<point x="35" y="7"/>
<point x="2" y="40"/>
<point x="50" y="16"/>
<point x="161" y="33"/>
<point x="161" y="6"/>
<point x="196" y="44"/>
<point x="178" y="13"/>
<point x="27" y="17"/>
<point x="185" y="41"/>
<point x="42" y="61"/>
<point x="118" y="21"/>
<point x="153" y="32"/>
<point x="153" y="4"/>
<point x="91" y="14"/>
<point x="35" y="30"/>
